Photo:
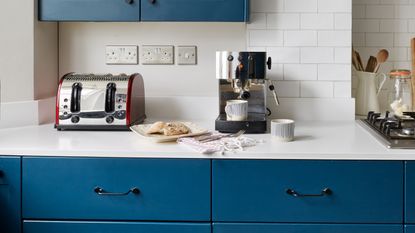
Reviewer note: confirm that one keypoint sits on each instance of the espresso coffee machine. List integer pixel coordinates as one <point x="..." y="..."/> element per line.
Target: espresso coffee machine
<point x="242" y="75"/>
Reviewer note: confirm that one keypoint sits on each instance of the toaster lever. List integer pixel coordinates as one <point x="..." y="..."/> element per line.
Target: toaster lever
<point x="110" y="97"/>
<point x="76" y="97"/>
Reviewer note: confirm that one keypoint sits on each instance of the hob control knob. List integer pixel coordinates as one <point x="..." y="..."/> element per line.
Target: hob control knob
<point x="246" y="95"/>
<point x="75" y="119"/>
<point x="110" y="119"/>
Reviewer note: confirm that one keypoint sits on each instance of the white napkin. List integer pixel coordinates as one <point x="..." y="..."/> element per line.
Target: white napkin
<point x="222" y="145"/>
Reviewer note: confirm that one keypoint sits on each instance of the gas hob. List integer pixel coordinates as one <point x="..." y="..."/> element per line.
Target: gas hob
<point x="395" y="132"/>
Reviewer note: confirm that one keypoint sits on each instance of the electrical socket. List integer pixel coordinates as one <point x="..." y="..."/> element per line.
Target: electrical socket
<point x="187" y="55"/>
<point x="157" y="55"/>
<point x="117" y="55"/>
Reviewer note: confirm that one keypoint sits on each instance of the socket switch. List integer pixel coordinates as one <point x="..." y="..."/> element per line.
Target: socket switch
<point x="187" y="55"/>
<point x="157" y="55"/>
<point x="118" y="55"/>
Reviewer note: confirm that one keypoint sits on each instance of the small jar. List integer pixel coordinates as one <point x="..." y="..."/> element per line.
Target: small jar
<point x="400" y="98"/>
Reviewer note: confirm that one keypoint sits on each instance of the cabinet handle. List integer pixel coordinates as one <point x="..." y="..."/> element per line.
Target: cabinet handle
<point x="129" y="1"/>
<point x="1" y="174"/>
<point x="101" y="191"/>
<point x="152" y="1"/>
<point x="324" y="192"/>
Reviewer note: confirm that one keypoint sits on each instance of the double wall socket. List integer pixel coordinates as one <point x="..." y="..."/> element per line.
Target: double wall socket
<point x="121" y="55"/>
<point x="157" y="55"/>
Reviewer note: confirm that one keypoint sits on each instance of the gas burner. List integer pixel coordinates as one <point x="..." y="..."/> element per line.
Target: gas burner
<point x="393" y="131"/>
<point x="408" y="131"/>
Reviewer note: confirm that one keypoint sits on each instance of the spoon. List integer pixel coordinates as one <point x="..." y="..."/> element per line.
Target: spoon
<point x="381" y="57"/>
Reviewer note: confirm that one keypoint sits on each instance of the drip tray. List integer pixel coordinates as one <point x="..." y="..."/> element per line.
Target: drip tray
<point x="256" y="123"/>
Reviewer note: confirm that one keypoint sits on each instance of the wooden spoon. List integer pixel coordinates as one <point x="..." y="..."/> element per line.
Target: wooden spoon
<point x="381" y="57"/>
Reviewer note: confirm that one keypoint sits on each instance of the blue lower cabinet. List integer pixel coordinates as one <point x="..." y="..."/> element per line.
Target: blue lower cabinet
<point x="113" y="227"/>
<point x="195" y="10"/>
<point x="409" y="228"/>
<point x="410" y="192"/>
<point x="89" y="10"/>
<point x="305" y="228"/>
<point x="10" y="195"/>
<point x="307" y="191"/>
<point x="116" y="189"/>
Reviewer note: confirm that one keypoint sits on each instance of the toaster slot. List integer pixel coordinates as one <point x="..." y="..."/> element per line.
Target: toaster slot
<point x="76" y="97"/>
<point x="110" y="98"/>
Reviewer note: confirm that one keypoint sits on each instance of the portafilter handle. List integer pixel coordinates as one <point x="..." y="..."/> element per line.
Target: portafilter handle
<point x="271" y="87"/>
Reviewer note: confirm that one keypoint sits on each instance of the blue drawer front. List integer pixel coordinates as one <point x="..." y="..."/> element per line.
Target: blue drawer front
<point x="305" y="228"/>
<point x="410" y="192"/>
<point x="255" y="191"/>
<point x="63" y="188"/>
<point x="409" y="228"/>
<point x="195" y="10"/>
<point x="113" y="227"/>
<point x="89" y="10"/>
<point x="10" y="193"/>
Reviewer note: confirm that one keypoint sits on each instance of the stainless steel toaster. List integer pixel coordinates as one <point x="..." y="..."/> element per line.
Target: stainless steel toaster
<point x="100" y="102"/>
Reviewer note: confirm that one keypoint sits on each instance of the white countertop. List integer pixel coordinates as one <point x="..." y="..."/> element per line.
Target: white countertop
<point x="314" y="140"/>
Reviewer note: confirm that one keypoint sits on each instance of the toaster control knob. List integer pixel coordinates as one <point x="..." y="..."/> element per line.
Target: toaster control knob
<point x="75" y="119"/>
<point x="65" y="100"/>
<point x="110" y="119"/>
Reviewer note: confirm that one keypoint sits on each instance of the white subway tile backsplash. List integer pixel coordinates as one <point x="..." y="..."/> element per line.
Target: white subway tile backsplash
<point x="258" y="21"/>
<point x="335" y="6"/>
<point x="359" y="11"/>
<point x="366" y="25"/>
<point x="334" y="38"/>
<point x="300" y="38"/>
<point x="359" y="39"/>
<point x="334" y="72"/>
<point x="276" y="72"/>
<point x="379" y="39"/>
<point x="284" y="54"/>
<point x="300" y="72"/>
<point x="266" y="38"/>
<point x="343" y="89"/>
<point x="343" y="55"/>
<point x="405" y="11"/>
<point x="317" y="21"/>
<point x="317" y="55"/>
<point x="403" y="39"/>
<point x="300" y="5"/>
<point x="283" y="21"/>
<point x="316" y="89"/>
<point x="267" y="5"/>
<point x="288" y="89"/>
<point x="343" y="21"/>
<point x="380" y="12"/>
<point x="394" y="25"/>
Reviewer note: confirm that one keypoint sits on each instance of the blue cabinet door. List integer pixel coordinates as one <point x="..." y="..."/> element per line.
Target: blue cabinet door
<point x="195" y="10"/>
<point x="113" y="227"/>
<point x="409" y="228"/>
<point x="272" y="191"/>
<point x="116" y="189"/>
<point x="89" y="10"/>
<point x="305" y="228"/>
<point x="10" y="193"/>
<point x="410" y="192"/>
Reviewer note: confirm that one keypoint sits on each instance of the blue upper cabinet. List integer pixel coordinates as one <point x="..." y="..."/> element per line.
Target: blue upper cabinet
<point x="10" y="195"/>
<point x="89" y="10"/>
<point x="195" y="10"/>
<point x="151" y="10"/>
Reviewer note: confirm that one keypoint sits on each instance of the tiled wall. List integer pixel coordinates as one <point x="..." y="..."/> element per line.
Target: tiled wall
<point x="386" y="24"/>
<point x="309" y="41"/>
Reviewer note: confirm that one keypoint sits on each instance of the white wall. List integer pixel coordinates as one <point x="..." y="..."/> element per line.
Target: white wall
<point x="310" y="42"/>
<point x="82" y="49"/>
<point x="386" y="24"/>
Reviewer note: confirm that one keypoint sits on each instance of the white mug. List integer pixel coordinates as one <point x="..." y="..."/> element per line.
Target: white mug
<point x="236" y="110"/>
<point x="282" y="129"/>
